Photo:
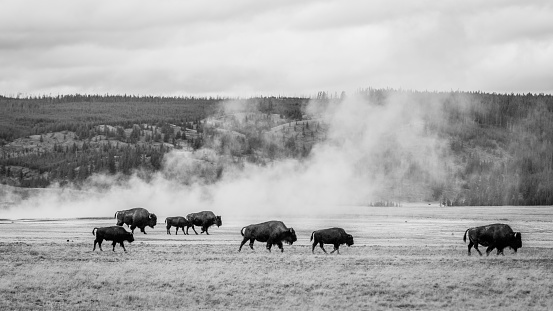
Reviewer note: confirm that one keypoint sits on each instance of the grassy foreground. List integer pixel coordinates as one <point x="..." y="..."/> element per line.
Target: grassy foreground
<point x="69" y="276"/>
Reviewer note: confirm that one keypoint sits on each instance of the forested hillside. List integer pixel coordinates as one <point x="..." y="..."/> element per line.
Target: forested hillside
<point x="499" y="145"/>
<point x="68" y="138"/>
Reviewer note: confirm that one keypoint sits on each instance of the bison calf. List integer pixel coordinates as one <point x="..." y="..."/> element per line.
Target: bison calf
<point x="179" y="222"/>
<point x="493" y="236"/>
<point x="115" y="234"/>
<point x="335" y="236"/>
<point x="273" y="232"/>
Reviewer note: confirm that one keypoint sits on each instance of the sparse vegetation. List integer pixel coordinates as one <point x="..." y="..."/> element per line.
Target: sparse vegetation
<point x="408" y="257"/>
<point x="198" y="276"/>
<point x="501" y="144"/>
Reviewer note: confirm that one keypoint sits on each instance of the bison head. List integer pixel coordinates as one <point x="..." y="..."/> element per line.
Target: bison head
<point x="152" y="221"/>
<point x="218" y="221"/>
<point x="289" y="236"/>
<point x="119" y="217"/>
<point x="130" y="238"/>
<point x="349" y="240"/>
<point x="516" y="241"/>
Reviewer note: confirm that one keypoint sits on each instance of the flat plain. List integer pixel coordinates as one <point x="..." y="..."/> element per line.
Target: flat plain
<point x="410" y="257"/>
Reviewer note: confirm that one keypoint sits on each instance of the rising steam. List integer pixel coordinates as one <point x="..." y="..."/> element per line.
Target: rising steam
<point x="366" y="157"/>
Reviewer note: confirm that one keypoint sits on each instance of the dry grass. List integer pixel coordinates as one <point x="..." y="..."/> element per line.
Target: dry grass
<point x="160" y="272"/>
<point x="71" y="276"/>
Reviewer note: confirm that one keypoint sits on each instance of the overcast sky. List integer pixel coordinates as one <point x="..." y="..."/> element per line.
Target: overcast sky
<point x="287" y="47"/>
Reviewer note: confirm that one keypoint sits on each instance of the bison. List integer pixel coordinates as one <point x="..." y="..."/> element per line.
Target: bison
<point x="335" y="236"/>
<point x="115" y="234"/>
<point x="203" y="219"/>
<point x="493" y="236"/>
<point x="136" y="218"/>
<point x="179" y="222"/>
<point x="273" y="232"/>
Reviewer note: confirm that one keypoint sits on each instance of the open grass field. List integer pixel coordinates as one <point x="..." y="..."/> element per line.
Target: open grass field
<point x="411" y="257"/>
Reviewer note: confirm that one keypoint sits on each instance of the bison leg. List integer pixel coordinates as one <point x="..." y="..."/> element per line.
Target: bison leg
<point x="192" y="229"/>
<point x="177" y="231"/>
<point x="269" y="245"/>
<point x="244" y="240"/>
<point x="182" y="229"/>
<point x="313" y="248"/>
<point x="336" y="248"/>
<point x="476" y="248"/>
<point x="500" y="251"/>
<point x="114" y="245"/>
<point x="168" y="232"/>
<point x="205" y="229"/>
<point x="99" y="244"/>
<point x="251" y="243"/>
<point x="122" y="245"/>
<point x="322" y="247"/>
<point x="143" y="231"/>
<point x="489" y="250"/>
<point x="279" y="244"/>
<point x="132" y="229"/>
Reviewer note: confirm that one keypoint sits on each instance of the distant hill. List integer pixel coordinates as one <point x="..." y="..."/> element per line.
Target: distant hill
<point x="499" y="147"/>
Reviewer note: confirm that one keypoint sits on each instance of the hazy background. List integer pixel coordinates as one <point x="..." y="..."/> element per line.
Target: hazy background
<point x="341" y="171"/>
<point x="246" y="47"/>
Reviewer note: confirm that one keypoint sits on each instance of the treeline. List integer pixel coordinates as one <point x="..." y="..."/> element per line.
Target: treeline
<point x="21" y="117"/>
<point x="77" y="162"/>
<point x="260" y="137"/>
<point x="152" y="120"/>
<point x="501" y="144"/>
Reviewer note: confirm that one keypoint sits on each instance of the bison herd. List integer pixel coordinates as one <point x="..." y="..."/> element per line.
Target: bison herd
<point x="494" y="236"/>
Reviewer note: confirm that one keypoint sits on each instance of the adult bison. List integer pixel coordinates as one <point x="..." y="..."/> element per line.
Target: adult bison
<point x="203" y="219"/>
<point x="335" y="236"/>
<point x="115" y="234"/>
<point x="136" y="218"/>
<point x="179" y="222"/>
<point x="273" y="232"/>
<point x="493" y="236"/>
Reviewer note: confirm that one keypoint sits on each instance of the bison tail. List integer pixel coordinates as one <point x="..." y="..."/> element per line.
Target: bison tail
<point x="93" y="230"/>
<point x="312" y="233"/>
<point x="465" y="236"/>
<point x="242" y="231"/>
<point x="115" y="216"/>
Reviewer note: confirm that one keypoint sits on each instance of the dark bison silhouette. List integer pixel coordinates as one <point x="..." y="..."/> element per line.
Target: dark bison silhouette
<point x="113" y="233"/>
<point x="493" y="236"/>
<point x="178" y="222"/>
<point x="136" y="218"/>
<point x="335" y="236"/>
<point x="204" y="219"/>
<point x="273" y="232"/>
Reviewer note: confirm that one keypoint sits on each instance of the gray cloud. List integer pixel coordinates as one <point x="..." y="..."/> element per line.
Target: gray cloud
<point x="286" y="47"/>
